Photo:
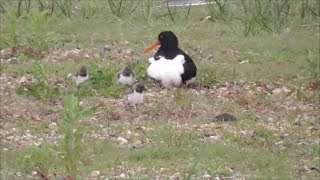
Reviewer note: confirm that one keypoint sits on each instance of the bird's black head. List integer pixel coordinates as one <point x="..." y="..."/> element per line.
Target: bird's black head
<point x="138" y="87"/>
<point x="126" y="71"/>
<point x="168" y="40"/>
<point x="83" y="71"/>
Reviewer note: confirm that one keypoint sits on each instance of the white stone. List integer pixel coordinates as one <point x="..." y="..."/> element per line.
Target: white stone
<point x="122" y="140"/>
<point x="123" y="176"/>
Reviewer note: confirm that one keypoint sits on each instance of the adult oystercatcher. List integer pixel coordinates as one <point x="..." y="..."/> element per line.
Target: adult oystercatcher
<point x="170" y="65"/>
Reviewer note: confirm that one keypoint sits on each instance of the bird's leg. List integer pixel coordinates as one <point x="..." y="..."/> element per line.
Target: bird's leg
<point x="128" y="107"/>
<point x="136" y="107"/>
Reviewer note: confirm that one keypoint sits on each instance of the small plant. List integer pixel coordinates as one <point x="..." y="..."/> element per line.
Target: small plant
<point x="35" y="24"/>
<point x="102" y="82"/>
<point x="310" y="8"/>
<point x="88" y="9"/>
<point x="220" y="9"/>
<point x="313" y="60"/>
<point x="121" y="8"/>
<point x="147" y="9"/>
<point x="269" y="16"/>
<point x="64" y="6"/>
<point x="39" y="159"/>
<point x="174" y="14"/>
<point x="40" y="89"/>
<point x="72" y="133"/>
<point x="13" y="27"/>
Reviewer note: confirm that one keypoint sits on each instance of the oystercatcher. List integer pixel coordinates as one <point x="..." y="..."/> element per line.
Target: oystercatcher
<point x="170" y="65"/>
<point x="81" y="75"/>
<point x="134" y="95"/>
<point x="126" y="76"/>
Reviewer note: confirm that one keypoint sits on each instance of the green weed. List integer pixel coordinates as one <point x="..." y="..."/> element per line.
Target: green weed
<point x="121" y="8"/>
<point x="313" y="59"/>
<point x="220" y="10"/>
<point x="39" y="90"/>
<point x="72" y="133"/>
<point x="269" y="16"/>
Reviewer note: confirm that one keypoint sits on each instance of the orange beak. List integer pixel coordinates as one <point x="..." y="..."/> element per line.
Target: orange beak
<point x="151" y="47"/>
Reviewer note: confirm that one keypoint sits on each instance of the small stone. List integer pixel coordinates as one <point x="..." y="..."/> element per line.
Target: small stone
<point x="280" y="90"/>
<point x="225" y="117"/>
<point x="206" y="177"/>
<point x="306" y="108"/>
<point x="123" y="176"/>
<point x="175" y="176"/>
<point x="244" y="61"/>
<point x="122" y="140"/>
<point x="10" y="138"/>
<point x="52" y="125"/>
<point x="94" y="174"/>
<point x="13" y="60"/>
<point x="23" y="79"/>
<point x="215" y="138"/>
<point x="207" y="18"/>
<point x="137" y="144"/>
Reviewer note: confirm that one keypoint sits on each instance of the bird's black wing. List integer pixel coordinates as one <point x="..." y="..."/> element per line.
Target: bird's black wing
<point x="190" y="69"/>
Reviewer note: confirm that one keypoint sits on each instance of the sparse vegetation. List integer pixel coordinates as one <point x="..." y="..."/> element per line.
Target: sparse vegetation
<point x="258" y="60"/>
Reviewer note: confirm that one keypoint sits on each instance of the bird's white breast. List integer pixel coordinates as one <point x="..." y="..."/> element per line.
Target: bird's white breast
<point x="126" y="80"/>
<point x="167" y="71"/>
<point x="135" y="98"/>
<point x="80" y="79"/>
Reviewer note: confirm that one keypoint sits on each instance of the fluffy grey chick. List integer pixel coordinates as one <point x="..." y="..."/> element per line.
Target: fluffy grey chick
<point x="134" y="95"/>
<point x="81" y="75"/>
<point x="126" y="76"/>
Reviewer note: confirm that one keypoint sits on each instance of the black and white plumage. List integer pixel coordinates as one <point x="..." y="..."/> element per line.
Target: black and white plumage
<point x="81" y="76"/>
<point x="135" y="95"/>
<point x="170" y="64"/>
<point x="126" y="76"/>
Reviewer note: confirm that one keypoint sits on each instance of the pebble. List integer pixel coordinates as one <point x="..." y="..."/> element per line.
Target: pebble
<point x="94" y="174"/>
<point x="206" y="177"/>
<point x="244" y="62"/>
<point x="53" y="125"/>
<point x="123" y="176"/>
<point x="175" y="176"/>
<point x="13" y="60"/>
<point x="22" y="80"/>
<point x="122" y="140"/>
<point x="280" y="90"/>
